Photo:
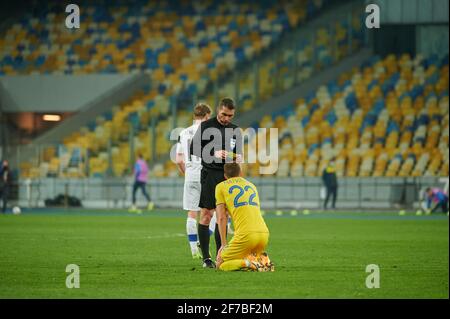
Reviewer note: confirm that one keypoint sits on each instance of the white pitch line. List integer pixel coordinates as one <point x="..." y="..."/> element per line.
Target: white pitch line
<point x="156" y="237"/>
<point x="26" y="238"/>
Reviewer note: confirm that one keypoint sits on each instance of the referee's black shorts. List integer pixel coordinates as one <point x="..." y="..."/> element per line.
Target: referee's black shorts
<point x="209" y="180"/>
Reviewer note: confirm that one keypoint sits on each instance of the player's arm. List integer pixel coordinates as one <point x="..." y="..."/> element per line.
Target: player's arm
<point x="137" y="170"/>
<point x="179" y="158"/>
<point x="180" y="163"/>
<point x="222" y="216"/>
<point x="435" y="205"/>
<point x="222" y="221"/>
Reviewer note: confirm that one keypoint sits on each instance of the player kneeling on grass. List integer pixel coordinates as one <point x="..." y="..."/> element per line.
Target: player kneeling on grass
<point x="246" y="250"/>
<point x="435" y="199"/>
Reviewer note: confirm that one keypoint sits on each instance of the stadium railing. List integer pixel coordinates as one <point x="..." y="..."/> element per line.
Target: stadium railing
<point x="370" y="193"/>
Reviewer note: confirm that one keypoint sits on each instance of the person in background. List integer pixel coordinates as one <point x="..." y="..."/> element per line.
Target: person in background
<point x="436" y="198"/>
<point x="5" y="181"/>
<point x="140" y="182"/>
<point x="330" y="182"/>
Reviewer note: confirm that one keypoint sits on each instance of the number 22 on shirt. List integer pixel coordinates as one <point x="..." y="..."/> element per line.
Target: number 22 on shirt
<point x="238" y="201"/>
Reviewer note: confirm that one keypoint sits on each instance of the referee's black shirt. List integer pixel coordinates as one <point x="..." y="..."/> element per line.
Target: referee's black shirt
<point x="228" y="142"/>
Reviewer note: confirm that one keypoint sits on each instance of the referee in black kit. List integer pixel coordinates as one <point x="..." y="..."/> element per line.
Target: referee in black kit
<point x="216" y="142"/>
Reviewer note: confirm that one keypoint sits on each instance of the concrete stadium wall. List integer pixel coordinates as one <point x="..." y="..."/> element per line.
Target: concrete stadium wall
<point x="55" y="93"/>
<point x="432" y="39"/>
<point x="280" y="193"/>
<point x="97" y="106"/>
<point x="412" y="11"/>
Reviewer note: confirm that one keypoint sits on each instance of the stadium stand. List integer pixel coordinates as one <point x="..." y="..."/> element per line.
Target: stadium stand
<point x="183" y="46"/>
<point x="312" y="54"/>
<point x="373" y="120"/>
<point x="387" y="118"/>
<point x="173" y="39"/>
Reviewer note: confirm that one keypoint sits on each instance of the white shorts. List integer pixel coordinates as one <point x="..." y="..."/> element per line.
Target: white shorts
<point x="191" y="196"/>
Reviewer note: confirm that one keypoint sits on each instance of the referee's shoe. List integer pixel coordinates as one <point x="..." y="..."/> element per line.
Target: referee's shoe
<point x="208" y="263"/>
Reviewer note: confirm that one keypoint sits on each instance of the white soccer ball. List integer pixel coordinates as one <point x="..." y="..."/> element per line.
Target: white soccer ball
<point x="16" y="210"/>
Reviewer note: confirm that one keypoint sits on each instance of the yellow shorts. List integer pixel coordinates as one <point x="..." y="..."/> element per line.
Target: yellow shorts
<point x="242" y="245"/>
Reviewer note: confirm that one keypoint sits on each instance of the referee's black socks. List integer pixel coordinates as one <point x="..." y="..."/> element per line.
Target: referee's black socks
<point x="203" y="237"/>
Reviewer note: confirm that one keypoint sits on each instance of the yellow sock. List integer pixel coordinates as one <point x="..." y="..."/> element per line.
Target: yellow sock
<point x="231" y="265"/>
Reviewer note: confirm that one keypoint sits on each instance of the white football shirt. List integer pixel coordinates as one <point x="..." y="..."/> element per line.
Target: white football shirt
<point x="193" y="163"/>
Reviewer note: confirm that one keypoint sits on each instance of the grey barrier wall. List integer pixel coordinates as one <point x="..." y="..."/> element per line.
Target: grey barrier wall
<point x="408" y="11"/>
<point x="275" y="193"/>
<point x="55" y="93"/>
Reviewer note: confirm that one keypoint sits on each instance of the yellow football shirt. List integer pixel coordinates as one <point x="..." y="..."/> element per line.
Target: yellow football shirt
<point x="241" y="199"/>
<point x="330" y="169"/>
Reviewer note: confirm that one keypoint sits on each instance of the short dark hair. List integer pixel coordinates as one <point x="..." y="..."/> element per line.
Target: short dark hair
<point x="228" y="103"/>
<point x="232" y="170"/>
<point x="201" y="110"/>
<point x="427" y="189"/>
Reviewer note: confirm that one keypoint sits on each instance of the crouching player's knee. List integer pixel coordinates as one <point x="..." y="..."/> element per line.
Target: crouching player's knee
<point x="233" y="265"/>
<point x="227" y="263"/>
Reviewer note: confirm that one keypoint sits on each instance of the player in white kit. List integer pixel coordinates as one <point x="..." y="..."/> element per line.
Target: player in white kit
<point x="191" y="167"/>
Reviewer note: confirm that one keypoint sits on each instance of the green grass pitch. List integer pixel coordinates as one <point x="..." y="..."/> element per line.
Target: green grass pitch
<point x="124" y="255"/>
